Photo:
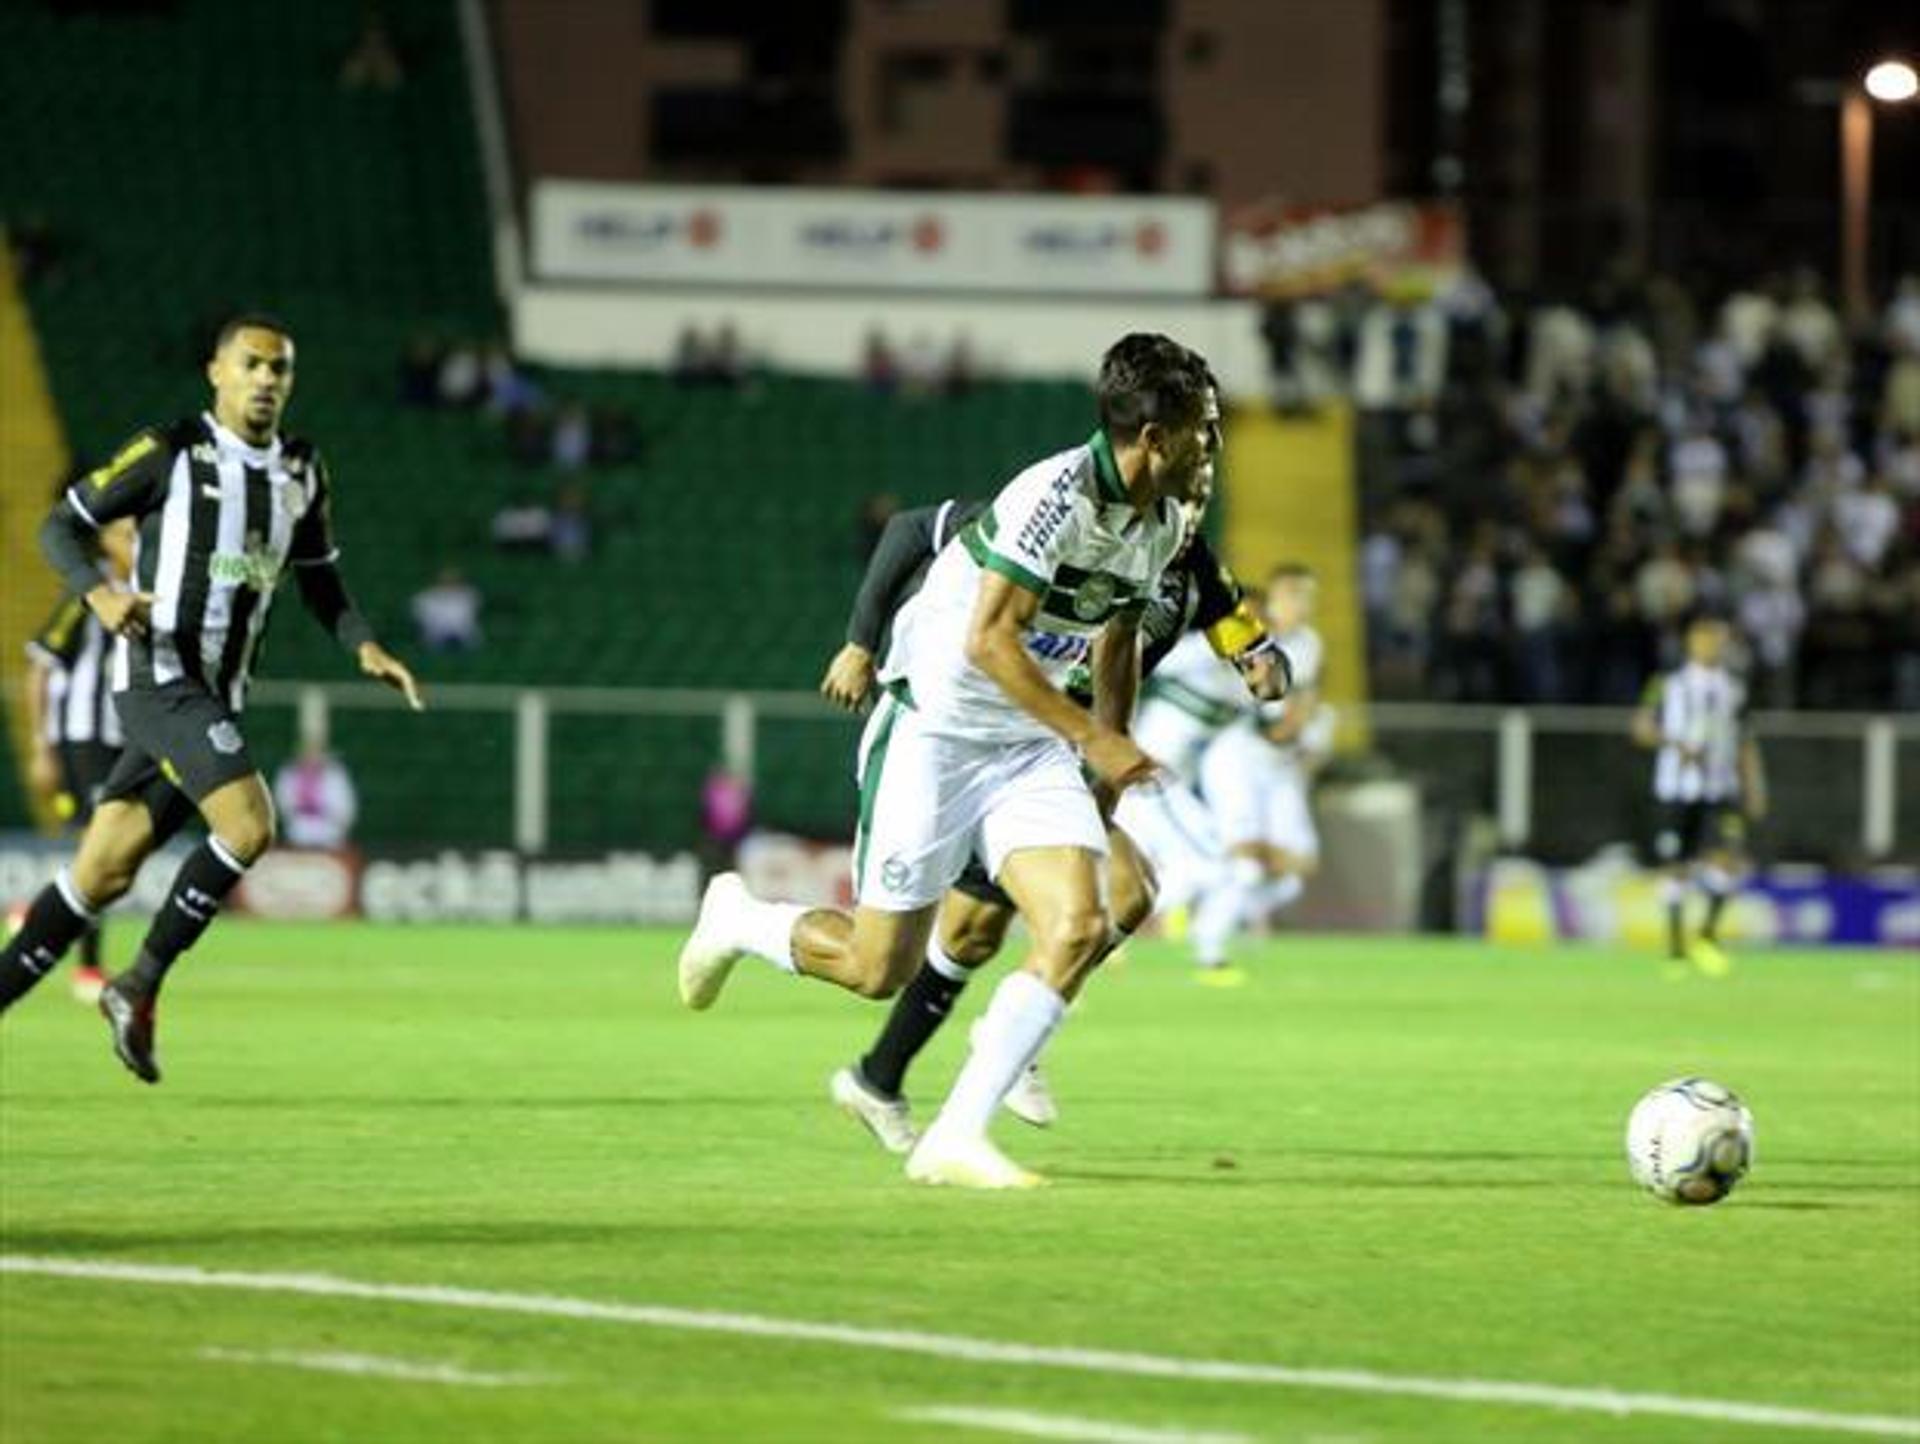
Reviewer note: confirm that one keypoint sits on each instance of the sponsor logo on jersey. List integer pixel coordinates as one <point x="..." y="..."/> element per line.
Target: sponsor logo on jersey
<point x="1047" y="518"/>
<point x="256" y="567"/>
<point x="125" y="457"/>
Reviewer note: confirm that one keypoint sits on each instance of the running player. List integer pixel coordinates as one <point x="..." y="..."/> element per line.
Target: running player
<point x="974" y="748"/>
<point x="1708" y="785"/>
<point x="72" y="720"/>
<point x="222" y="503"/>
<point x="1255" y="777"/>
<point x="1196" y="591"/>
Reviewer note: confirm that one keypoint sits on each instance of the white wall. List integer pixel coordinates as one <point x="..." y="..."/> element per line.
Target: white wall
<point x="823" y="332"/>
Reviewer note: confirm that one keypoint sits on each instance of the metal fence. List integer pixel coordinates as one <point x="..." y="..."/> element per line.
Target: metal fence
<point x="586" y="769"/>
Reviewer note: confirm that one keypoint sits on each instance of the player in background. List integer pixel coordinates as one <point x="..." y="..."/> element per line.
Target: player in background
<point x="1256" y="777"/>
<point x="1708" y="786"/>
<point x="978" y="749"/>
<point x="222" y="502"/>
<point x="1196" y="591"/>
<point x="72" y="720"/>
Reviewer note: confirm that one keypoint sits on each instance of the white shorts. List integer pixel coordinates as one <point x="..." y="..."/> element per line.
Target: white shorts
<point x="1257" y="794"/>
<point x="929" y="804"/>
<point x="1173" y="737"/>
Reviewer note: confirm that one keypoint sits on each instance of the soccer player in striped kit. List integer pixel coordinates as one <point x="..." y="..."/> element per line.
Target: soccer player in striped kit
<point x="1707" y="782"/>
<point x="72" y="720"/>
<point x="222" y="503"/>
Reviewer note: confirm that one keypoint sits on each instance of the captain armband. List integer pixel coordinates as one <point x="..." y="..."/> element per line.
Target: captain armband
<point x="1237" y="633"/>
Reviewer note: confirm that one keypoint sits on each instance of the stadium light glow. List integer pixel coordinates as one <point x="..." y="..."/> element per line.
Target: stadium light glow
<point x="1892" y="80"/>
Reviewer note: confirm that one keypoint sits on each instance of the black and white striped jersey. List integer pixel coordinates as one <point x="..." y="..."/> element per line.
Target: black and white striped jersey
<point x="218" y="520"/>
<point x="75" y="650"/>
<point x="1702" y="716"/>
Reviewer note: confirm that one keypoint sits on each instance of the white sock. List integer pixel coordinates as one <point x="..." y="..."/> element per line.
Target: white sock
<point x="766" y="930"/>
<point x="1023" y="1014"/>
<point x="1714" y="880"/>
<point x="945" y="966"/>
<point x="1281" y="893"/>
<point x="1220" y="912"/>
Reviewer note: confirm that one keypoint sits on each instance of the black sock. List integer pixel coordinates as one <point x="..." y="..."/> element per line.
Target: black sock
<point x="917" y="1014"/>
<point x="52" y="924"/>
<point x="1716" y="900"/>
<point x="202" y="884"/>
<point x="90" y="947"/>
<point x="1676" y="929"/>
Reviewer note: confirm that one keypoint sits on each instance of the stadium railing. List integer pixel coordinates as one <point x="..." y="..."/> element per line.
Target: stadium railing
<point x="573" y="769"/>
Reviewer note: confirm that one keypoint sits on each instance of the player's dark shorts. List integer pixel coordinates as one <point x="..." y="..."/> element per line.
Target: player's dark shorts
<point x="1682" y="831"/>
<point x="975" y="883"/>
<point x="84" y="769"/>
<point x="182" y="744"/>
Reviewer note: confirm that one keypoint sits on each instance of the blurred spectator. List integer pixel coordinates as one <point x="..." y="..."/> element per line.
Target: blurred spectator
<point x="508" y="389"/>
<point x="726" y="816"/>
<point x="571" y="533"/>
<point x="315" y="798"/>
<point x="1868" y="520"/>
<point x="420" y="372"/>
<point x="572" y="441"/>
<point x="447" y="614"/>
<point x="1402" y="355"/>
<point x="1699" y="465"/>
<point x="461" y="376"/>
<point x="374" y="62"/>
<point x="1809" y="323"/>
<point x="879" y="366"/>
<point x="1543" y="605"/>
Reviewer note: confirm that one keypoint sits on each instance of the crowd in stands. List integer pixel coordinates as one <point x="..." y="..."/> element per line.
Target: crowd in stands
<point x="1552" y="484"/>
<point x="539" y="430"/>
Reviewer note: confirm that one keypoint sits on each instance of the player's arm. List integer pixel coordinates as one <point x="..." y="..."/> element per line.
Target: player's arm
<point x="132" y="484"/>
<point x="996" y="644"/>
<point x="323" y="591"/>
<point x="1287" y="727"/>
<point x="905" y="542"/>
<point x="1116" y="671"/>
<point x="1232" y="628"/>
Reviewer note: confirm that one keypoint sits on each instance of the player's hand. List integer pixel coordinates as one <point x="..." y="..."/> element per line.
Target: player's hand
<point x="1264" y="669"/>
<point x="849" y="679"/>
<point x="377" y="662"/>
<point x="43" y="772"/>
<point x="1117" y="761"/>
<point x="125" y="614"/>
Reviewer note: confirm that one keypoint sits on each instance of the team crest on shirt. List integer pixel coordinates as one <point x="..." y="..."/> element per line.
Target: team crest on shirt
<point x="1095" y="597"/>
<point x="893" y="872"/>
<point x="225" y="738"/>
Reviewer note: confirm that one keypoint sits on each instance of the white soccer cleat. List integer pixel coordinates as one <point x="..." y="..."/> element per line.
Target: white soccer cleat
<point x="943" y="1160"/>
<point x="887" y="1119"/>
<point x="708" y="956"/>
<point x="1030" y="1099"/>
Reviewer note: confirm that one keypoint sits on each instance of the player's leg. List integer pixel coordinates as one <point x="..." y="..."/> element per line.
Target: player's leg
<point x="973" y="922"/>
<point x="1176" y="835"/>
<point x="1293" y="854"/>
<point x="919" y="812"/>
<point x="1671" y="852"/>
<point x="85" y="767"/>
<point x="1721" y="865"/>
<point x="1235" y="778"/>
<point x="117" y="840"/>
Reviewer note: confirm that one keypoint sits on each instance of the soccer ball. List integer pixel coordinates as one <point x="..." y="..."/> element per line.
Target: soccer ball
<point x="1689" y="1141"/>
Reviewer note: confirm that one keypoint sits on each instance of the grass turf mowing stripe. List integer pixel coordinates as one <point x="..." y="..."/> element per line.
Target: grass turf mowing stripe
<point x="372" y="1366"/>
<point x="1030" y="1425"/>
<point x="981" y="1351"/>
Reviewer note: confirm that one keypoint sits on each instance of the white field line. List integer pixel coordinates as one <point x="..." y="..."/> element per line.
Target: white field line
<point x="372" y="1366"/>
<point x="978" y="1351"/>
<point x="1059" y="1426"/>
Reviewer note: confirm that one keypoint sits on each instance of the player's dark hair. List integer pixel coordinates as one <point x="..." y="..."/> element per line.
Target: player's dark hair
<point x="1145" y="378"/>
<point x="248" y="321"/>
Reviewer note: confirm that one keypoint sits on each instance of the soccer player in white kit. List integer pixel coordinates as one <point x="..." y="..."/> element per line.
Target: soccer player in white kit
<point x="1256" y="776"/>
<point x="978" y="749"/>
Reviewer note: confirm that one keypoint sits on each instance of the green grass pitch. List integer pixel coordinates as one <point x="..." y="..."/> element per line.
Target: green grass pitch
<point x="1393" y="1156"/>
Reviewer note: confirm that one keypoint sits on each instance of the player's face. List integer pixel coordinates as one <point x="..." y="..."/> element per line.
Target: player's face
<point x="1707" y="643"/>
<point x="1290" y="602"/>
<point x="252" y="378"/>
<point x="1182" y="455"/>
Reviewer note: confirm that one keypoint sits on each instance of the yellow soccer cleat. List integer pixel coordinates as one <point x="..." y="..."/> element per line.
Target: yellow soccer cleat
<point x="1708" y="960"/>
<point x="1226" y="975"/>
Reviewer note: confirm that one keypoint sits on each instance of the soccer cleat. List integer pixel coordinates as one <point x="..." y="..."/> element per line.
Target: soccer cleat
<point x="942" y="1160"/>
<point x="1030" y="1099"/>
<point x="87" y="983"/>
<point x="1220" y="975"/>
<point x="887" y="1119"/>
<point x="1708" y="960"/>
<point x="129" y="1013"/>
<point x="710" y="951"/>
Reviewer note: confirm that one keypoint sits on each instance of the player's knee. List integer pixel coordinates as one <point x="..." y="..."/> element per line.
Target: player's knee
<point x="249" y="836"/>
<point x="1133" y="903"/>
<point x="102" y="880"/>
<point x="1080" y="935"/>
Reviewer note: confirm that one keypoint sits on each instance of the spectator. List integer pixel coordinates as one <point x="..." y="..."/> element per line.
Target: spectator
<point x="315" y="797"/>
<point x="508" y="389"/>
<point x="1542" y="606"/>
<point x="572" y="442"/>
<point x="461" y="377"/>
<point x="1868" y="520"/>
<point x="726" y="816"/>
<point x="447" y="614"/>
<point x="374" y="62"/>
<point x="1699" y="465"/>
<point x="879" y="366"/>
<point x="571" y="533"/>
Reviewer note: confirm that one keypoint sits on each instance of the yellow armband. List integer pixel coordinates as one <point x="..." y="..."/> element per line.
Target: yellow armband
<point x="1236" y="632"/>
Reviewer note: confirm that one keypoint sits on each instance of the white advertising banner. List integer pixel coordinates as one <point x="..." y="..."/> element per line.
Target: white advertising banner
<point x="872" y="240"/>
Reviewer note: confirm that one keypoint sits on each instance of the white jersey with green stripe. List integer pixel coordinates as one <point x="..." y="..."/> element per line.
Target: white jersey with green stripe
<point x="1063" y="529"/>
